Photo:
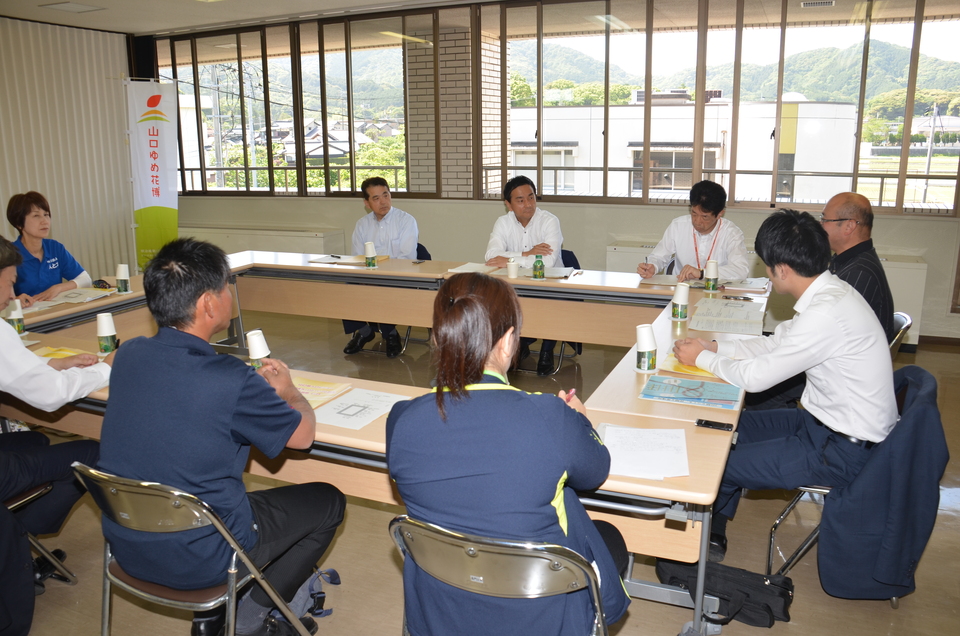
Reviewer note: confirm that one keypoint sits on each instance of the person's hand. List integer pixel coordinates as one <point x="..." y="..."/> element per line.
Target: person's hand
<point x="543" y="249"/>
<point x="52" y="292"/>
<point x="689" y="272"/>
<point x="80" y="360"/>
<point x="25" y="300"/>
<point x="573" y="402"/>
<point x="277" y="375"/>
<point x="688" y="349"/>
<point x="647" y="270"/>
<point x="497" y="261"/>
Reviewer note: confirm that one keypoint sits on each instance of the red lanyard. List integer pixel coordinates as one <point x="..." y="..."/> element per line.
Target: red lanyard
<point x="712" y="246"/>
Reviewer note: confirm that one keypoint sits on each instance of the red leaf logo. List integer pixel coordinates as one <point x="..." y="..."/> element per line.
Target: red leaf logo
<point x="153" y="101"/>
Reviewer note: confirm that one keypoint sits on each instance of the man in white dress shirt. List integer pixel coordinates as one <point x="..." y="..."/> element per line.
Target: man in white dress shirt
<point x="849" y="402"/>
<point x="700" y="236"/>
<point x="393" y="232"/>
<point x="522" y="234"/>
<point x="27" y="459"/>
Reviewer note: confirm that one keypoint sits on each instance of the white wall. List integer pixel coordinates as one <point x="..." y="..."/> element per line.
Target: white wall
<point x="459" y="231"/>
<point x="62" y="125"/>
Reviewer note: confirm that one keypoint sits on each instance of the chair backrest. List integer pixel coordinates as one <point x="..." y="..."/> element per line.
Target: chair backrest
<point x="569" y="259"/>
<point x="23" y="498"/>
<point x="496" y="567"/>
<point x="422" y="253"/>
<point x="901" y="324"/>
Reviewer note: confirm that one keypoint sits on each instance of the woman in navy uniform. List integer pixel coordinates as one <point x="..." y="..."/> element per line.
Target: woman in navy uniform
<point x="482" y="457"/>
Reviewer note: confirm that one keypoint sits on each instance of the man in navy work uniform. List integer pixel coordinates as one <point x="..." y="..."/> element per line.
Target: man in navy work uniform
<point x="393" y="232"/>
<point x="181" y="415"/>
<point x="849" y="403"/>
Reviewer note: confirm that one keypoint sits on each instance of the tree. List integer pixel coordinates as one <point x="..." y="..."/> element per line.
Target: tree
<point x="875" y="130"/>
<point x="891" y="105"/>
<point x="387" y="151"/>
<point x="521" y="93"/>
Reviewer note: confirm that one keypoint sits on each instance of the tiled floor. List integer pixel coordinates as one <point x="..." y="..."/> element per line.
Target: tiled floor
<point x="370" y="599"/>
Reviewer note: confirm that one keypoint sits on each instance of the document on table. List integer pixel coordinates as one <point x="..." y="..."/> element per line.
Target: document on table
<point x="548" y="272"/>
<point x="646" y="453"/>
<point x="356" y="409"/>
<point x="318" y="392"/>
<point x="58" y="352"/>
<point x="351" y="261"/>
<point x="472" y="268"/>
<point x="660" y="279"/>
<point x="728" y="316"/>
<point x="40" y="305"/>
<point x="83" y="295"/>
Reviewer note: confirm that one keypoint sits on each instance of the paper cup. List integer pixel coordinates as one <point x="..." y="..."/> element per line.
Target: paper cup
<point x="646" y="349"/>
<point x="105" y="326"/>
<point x="16" y="310"/>
<point x="513" y="270"/>
<point x="123" y="279"/>
<point x="681" y="298"/>
<point x="257" y="347"/>
<point x="711" y="275"/>
<point x="370" y="254"/>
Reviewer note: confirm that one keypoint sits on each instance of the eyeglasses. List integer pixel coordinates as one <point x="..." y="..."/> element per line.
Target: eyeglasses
<point x="823" y="220"/>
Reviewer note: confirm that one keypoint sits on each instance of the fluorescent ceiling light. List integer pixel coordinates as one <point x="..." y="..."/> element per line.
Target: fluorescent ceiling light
<point x="615" y="23"/>
<point x="72" y="7"/>
<point x="410" y="38"/>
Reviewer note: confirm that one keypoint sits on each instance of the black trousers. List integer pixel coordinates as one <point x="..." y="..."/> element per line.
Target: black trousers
<point x="351" y="326"/>
<point x="26" y="460"/>
<point x="295" y="525"/>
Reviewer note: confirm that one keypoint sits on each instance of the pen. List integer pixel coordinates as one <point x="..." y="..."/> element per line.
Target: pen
<point x="570" y="395"/>
<point x="334" y="256"/>
<point x="747" y="298"/>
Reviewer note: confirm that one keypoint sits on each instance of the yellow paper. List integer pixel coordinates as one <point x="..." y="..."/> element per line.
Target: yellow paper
<point x="59" y="352"/>
<point x="673" y="365"/>
<point x="318" y="392"/>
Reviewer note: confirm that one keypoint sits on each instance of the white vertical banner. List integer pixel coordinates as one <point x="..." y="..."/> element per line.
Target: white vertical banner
<point x="152" y="121"/>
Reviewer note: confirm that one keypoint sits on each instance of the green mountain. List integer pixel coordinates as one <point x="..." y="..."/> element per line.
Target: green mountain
<point x="828" y="74"/>
<point x="561" y="62"/>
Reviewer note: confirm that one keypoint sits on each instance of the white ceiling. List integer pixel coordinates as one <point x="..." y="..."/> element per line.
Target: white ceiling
<point x="143" y="17"/>
<point x="152" y="17"/>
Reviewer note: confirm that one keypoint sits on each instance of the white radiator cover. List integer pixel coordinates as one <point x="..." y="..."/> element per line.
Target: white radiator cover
<point x="230" y="240"/>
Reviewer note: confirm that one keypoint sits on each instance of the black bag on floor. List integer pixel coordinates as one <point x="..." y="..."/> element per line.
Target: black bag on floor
<point x="749" y="597"/>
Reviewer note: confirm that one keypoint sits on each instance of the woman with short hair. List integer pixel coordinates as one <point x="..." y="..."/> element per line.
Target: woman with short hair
<point x="482" y="457"/>
<point x="48" y="268"/>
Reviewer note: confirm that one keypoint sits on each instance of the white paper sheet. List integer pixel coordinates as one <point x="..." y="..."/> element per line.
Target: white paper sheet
<point x="471" y="268"/>
<point x="646" y="453"/>
<point x="357" y="408"/>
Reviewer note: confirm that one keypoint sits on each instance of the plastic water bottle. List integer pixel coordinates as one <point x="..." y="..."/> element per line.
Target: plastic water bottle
<point x="538" y="270"/>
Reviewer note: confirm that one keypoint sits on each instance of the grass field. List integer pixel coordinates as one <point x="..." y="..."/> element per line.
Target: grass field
<point x="940" y="192"/>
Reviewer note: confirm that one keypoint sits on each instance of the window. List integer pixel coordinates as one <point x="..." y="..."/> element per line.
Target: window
<point x="613" y="100"/>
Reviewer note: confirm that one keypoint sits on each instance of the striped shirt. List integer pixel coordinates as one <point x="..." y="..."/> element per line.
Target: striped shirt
<point x="860" y="268"/>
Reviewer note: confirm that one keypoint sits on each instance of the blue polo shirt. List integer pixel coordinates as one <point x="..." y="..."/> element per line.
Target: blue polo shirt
<point x="38" y="275"/>
<point x="181" y="415"/>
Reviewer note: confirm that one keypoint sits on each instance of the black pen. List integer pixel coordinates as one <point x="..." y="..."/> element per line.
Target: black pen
<point x="747" y="298"/>
<point x="334" y="256"/>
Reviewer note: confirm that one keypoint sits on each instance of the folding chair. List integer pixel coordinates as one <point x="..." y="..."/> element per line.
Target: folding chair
<point x="12" y="504"/>
<point x="152" y="507"/>
<point x="497" y="567"/>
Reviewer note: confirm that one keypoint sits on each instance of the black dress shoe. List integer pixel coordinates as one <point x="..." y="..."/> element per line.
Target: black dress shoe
<point x="356" y="343"/>
<point x="275" y="627"/>
<point x="44" y="569"/>
<point x="545" y="364"/>
<point x="394" y="346"/>
<point x="209" y="623"/>
<point x="524" y="352"/>
<point x="718" y="547"/>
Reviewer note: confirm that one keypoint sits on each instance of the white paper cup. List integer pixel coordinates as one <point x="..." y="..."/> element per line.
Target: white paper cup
<point x="370" y="255"/>
<point x="681" y="298"/>
<point x="105" y="326"/>
<point x="646" y="349"/>
<point x="16" y="310"/>
<point x="123" y="279"/>
<point x="711" y="275"/>
<point x="513" y="270"/>
<point x="257" y="345"/>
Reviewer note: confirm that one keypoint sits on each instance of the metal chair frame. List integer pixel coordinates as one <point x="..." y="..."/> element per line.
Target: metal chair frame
<point x="153" y="507"/>
<point x="23" y="499"/>
<point x="807" y="543"/>
<point x="501" y="568"/>
<point x="903" y="322"/>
